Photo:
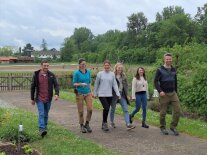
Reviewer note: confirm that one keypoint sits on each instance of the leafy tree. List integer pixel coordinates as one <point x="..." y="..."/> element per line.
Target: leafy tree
<point x="5" y="51"/>
<point x="28" y="49"/>
<point x="83" y="39"/>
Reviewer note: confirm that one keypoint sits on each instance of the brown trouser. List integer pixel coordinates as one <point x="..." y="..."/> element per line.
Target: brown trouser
<point x="169" y="98"/>
<point x="80" y="98"/>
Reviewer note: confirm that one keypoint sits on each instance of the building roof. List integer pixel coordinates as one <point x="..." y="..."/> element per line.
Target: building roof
<point x="7" y="58"/>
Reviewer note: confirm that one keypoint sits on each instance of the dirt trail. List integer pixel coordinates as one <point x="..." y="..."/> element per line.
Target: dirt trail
<point x="140" y="141"/>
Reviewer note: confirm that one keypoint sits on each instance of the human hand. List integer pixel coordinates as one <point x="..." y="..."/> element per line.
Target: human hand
<point x="162" y="93"/>
<point x="56" y="97"/>
<point x="83" y="84"/>
<point x="33" y="102"/>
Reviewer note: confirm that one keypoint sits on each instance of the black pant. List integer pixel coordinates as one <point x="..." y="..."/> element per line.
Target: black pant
<point x="106" y="103"/>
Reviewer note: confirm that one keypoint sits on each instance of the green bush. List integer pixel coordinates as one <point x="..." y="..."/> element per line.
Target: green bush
<point x="9" y="123"/>
<point x="193" y="94"/>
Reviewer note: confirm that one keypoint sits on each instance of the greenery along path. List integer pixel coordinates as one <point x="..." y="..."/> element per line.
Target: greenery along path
<point x="139" y="141"/>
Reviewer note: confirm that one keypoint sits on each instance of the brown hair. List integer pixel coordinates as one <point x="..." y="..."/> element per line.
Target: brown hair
<point x="44" y="61"/>
<point x="107" y="61"/>
<point x="115" y="69"/>
<point x="137" y="74"/>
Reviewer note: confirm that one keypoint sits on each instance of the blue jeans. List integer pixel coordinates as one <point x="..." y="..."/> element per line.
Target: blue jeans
<point x="124" y="106"/>
<point x="141" y="99"/>
<point x="43" y="110"/>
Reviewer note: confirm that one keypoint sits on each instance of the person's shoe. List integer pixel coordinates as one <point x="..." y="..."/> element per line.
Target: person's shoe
<point x="83" y="129"/>
<point x="164" y="131"/>
<point x="43" y="132"/>
<point x="144" y="125"/>
<point x="113" y="125"/>
<point x="130" y="127"/>
<point x="105" y="127"/>
<point x="88" y="128"/>
<point x="175" y="132"/>
<point x="130" y="119"/>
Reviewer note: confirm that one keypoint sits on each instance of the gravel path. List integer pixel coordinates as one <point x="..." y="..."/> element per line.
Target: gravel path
<point x="139" y="141"/>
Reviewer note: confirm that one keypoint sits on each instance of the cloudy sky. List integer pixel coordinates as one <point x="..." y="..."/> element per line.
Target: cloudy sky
<point x="29" y="21"/>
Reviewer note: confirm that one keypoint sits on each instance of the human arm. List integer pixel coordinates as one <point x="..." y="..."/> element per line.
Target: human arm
<point x="133" y="88"/>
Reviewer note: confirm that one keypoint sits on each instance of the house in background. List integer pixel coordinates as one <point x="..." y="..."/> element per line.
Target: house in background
<point x="53" y="53"/>
<point x="7" y="60"/>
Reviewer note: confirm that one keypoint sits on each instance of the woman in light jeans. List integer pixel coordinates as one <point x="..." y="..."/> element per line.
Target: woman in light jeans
<point x="123" y="89"/>
<point x="82" y="84"/>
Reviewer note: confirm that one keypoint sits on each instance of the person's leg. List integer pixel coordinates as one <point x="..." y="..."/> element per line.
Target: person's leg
<point x="137" y="107"/>
<point x="79" y="102"/>
<point x="124" y="106"/>
<point x="47" y="109"/>
<point x="89" y="104"/>
<point x="164" y="101"/>
<point x="176" y="113"/>
<point x="105" y="101"/>
<point x="144" y="110"/>
<point x="112" y="110"/>
<point x="41" y="112"/>
<point x="41" y="118"/>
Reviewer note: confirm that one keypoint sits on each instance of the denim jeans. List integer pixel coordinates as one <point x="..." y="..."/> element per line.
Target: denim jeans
<point x="141" y="99"/>
<point x="124" y="106"/>
<point x="43" y="110"/>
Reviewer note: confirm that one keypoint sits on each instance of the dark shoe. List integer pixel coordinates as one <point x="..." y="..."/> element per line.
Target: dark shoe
<point x="175" y="132"/>
<point x="87" y="127"/>
<point x="164" y="131"/>
<point x="130" y="127"/>
<point x="105" y="127"/>
<point x="144" y="125"/>
<point x="113" y="125"/>
<point x="130" y="119"/>
<point x="83" y="129"/>
<point x="43" y="132"/>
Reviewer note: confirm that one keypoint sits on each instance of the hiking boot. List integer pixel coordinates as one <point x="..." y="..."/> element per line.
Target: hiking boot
<point x="113" y="125"/>
<point x="43" y="132"/>
<point x="105" y="127"/>
<point x="164" y="131"/>
<point x="88" y="128"/>
<point x="144" y="125"/>
<point x="130" y="119"/>
<point x="175" y="132"/>
<point x="130" y="127"/>
<point x="83" y="129"/>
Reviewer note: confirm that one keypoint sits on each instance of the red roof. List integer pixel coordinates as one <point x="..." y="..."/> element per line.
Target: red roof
<point x="7" y="58"/>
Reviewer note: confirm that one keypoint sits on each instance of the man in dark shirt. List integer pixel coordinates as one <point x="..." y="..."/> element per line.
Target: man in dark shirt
<point x="42" y="85"/>
<point x="166" y="84"/>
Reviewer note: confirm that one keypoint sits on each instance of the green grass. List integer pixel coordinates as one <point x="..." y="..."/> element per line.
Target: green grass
<point x="59" y="141"/>
<point x="195" y="128"/>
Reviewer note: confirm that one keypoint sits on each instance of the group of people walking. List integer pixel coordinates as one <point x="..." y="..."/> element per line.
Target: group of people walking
<point x="110" y="88"/>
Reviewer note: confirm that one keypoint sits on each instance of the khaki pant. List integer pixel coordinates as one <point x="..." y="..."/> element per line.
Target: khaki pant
<point x="169" y="98"/>
<point x="80" y="98"/>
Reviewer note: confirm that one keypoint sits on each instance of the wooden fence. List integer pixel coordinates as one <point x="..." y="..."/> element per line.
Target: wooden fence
<point x="22" y="81"/>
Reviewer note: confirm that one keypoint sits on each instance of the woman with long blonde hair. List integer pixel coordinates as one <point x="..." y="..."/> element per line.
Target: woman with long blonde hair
<point x="123" y="89"/>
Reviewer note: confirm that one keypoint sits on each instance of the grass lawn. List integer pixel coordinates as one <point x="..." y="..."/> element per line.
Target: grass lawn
<point x="59" y="141"/>
<point x="195" y="128"/>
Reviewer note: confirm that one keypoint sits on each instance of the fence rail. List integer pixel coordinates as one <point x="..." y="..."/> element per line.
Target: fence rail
<point x="22" y="81"/>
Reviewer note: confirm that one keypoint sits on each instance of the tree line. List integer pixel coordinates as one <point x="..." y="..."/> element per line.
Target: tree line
<point x="141" y="41"/>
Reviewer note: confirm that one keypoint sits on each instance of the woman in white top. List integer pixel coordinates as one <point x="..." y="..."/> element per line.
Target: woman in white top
<point x="140" y="93"/>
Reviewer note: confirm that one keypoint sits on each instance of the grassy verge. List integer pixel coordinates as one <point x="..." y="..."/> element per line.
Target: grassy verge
<point x="59" y="141"/>
<point x="195" y="128"/>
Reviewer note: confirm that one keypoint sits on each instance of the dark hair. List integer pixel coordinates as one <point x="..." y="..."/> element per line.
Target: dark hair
<point x="44" y="61"/>
<point x="107" y="61"/>
<point x="81" y="60"/>
<point x="137" y="74"/>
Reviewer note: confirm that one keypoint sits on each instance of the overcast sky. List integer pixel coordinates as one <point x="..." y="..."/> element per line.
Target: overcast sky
<point x="29" y="21"/>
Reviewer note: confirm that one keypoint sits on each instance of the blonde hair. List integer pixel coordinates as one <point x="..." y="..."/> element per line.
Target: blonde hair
<point x="115" y="69"/>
